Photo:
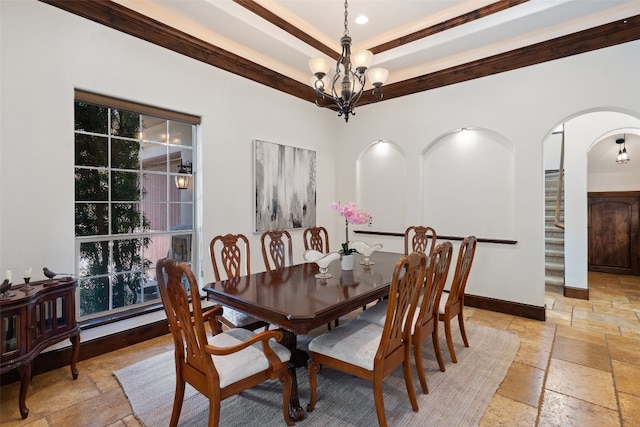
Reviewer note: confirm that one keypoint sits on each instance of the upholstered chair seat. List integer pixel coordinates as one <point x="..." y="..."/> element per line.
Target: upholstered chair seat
<point x="245" y="363"/>
<point x="356" y="342"/>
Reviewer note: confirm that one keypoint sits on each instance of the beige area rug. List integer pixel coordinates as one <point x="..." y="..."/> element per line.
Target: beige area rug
<point x="458" y="397"/>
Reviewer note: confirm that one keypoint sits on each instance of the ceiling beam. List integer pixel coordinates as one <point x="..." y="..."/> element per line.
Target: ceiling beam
<point x="120" y="18"/>
<point x="448" y="24"/>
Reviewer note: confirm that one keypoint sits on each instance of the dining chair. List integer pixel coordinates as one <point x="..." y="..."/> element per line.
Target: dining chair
<point x="277" y="250"/>
<point x="231" y="254"/>
<point x="369" y="351"/>
<point x="418" y="238"/>
<point x="316" y="238"/>
<point x="226" y="363"/>
<point x="452" y="303"/>
<point x="425" y="319"/>
<point x="425" y="322"/>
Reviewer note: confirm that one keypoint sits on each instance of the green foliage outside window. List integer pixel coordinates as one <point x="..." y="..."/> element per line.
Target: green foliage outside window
<point x="108" y="203"/>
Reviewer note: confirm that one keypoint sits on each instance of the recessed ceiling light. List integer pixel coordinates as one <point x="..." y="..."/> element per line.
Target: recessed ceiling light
<point x="362" y="19"/>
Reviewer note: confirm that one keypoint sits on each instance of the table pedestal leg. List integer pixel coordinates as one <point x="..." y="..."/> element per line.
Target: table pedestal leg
<point x="298" y="359"/>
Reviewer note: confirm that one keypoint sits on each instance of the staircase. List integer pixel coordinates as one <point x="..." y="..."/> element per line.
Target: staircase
<point x="553" y="236"/>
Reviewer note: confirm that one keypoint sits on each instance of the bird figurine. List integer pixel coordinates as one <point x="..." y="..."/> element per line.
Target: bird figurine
<point x="5" y="286"/>
<point x="48" y="273"/>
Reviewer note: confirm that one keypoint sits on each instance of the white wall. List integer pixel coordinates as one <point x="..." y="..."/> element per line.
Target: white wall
<point x="46" y="53"/>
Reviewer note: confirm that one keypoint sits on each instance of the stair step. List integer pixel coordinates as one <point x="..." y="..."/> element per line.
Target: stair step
<point x="554" y="253"/>
<point x="554" y="281"/>
<point x="553" y="267"/>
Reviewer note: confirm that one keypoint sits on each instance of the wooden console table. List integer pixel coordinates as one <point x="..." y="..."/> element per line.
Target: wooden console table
<point x="34" y="317"/>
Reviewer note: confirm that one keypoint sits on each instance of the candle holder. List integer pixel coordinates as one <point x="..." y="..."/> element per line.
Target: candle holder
<point x="27" y="287"/>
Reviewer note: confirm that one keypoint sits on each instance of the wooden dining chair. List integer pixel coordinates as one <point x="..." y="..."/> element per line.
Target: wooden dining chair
<point x="225" y="364"/>
<point x="452" y="301"/>
<point x="425" y="320"/>
<point x="277" y="250"/>
<point x="316" y="238"/>
<point x="371" y="351"/>
<point x="418" y="238"/>
<point x="231" y="254"/>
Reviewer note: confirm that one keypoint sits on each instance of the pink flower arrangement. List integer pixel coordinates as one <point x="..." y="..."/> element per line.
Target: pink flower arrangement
<point x="352" y="215"/>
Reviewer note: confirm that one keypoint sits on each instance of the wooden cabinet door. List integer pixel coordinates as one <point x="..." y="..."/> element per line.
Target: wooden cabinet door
<point x="614" y="236"/>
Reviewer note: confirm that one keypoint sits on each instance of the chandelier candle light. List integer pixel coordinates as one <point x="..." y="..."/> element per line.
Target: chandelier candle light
<point x="352" y="215"/>
<point x="350" y="76"/>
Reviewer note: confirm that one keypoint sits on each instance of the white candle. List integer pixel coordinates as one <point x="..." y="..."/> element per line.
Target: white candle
<point x="8" y="276"/>
<point x="27" y="273"/>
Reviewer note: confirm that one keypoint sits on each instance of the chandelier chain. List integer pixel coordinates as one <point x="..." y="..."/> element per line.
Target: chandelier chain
<point x="346" y="19"/>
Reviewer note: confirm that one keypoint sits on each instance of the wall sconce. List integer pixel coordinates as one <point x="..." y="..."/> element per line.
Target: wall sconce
<point x="183" y="181"/>
<point x="623" y="157"/>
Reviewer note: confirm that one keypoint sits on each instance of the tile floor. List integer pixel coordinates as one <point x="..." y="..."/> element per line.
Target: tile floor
<point x="581" y="367"/>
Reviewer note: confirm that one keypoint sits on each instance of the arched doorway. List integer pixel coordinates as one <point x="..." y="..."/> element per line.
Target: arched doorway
<point x="582" y="133"/>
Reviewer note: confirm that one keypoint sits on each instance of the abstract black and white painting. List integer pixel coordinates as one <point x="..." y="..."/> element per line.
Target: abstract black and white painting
<point x="285" y="186"/>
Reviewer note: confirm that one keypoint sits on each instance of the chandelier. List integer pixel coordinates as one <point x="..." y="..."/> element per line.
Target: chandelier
<point x="623" y="157"/>
<point x="350" y="76"/>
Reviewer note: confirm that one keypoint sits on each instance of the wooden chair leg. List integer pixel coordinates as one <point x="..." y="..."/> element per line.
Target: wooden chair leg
<point x="436" y="346"/>
<point x="177" y="403"/>
<point x="214" y="413"/>
<point x="447" y="332"/>
<point x="417" y="356"/>
<point x="379" y="401"/>
<point x="462" y="331"/>
<point x="408" y="380"/>
<point x="287" y="384"/>
<point x="312" y="371"/>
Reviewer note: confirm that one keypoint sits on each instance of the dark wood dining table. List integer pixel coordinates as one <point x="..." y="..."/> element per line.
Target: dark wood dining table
<point x="292" y="299"/>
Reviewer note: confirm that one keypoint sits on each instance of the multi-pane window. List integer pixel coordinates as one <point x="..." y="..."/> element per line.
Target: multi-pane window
<point x="129" y="211"/>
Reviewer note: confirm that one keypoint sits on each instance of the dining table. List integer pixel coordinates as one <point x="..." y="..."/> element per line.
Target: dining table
<point x="296" y="302"/>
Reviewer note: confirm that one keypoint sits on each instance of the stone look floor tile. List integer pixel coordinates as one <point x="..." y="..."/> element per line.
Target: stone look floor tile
<point x="98" y="411"/>
<point x="627" y="377"/>
<point x="505" y="412"/>
<point x="582" y="352"/>
<point x="590" y="325"/>
<point x="523" y="383"/>
<point x="533" y="329"/>
<point x="559" y="317"/>
<point x="630" y="332"/>
<point x="565" y="411"/>
<point x="533" y="354"/>
<point x="624" y="349"/>
<point x="630" y="409"/>
<point x="588" y="335"/>
<point x="581" y="382"/>
<point x="605" y="319"/>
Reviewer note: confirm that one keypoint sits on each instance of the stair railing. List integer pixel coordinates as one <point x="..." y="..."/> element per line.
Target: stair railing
<point x="556" y="220"/>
